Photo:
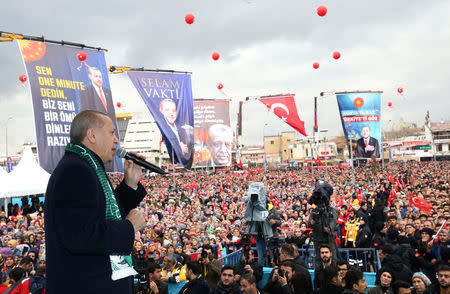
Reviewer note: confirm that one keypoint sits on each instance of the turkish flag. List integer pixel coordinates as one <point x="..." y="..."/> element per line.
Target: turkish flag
<point x="284" y="107"/>
<point x="420" y="203"/>
<point x="390" y="178"/>
<point x="392" y="195"/>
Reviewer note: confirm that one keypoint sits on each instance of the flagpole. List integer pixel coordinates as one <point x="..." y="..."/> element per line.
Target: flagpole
<point x="351" y="152"/>
<point x="440" y="229"/>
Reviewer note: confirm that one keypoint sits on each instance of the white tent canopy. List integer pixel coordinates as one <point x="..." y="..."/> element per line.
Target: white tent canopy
<point x="27" y="178"/>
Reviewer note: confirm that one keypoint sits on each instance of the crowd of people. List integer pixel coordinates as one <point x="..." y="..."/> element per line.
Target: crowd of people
<point x="194" y="218"/>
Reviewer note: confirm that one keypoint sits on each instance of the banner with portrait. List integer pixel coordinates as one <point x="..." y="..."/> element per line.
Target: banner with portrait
<point x="212" y="133"/>
<point x="61" y="86"/>
<point x="168" y="96"/>
<point x="361" y="113"/>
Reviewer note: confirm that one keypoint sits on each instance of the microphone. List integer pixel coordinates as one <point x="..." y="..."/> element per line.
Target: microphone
<point x="122" y="153"/>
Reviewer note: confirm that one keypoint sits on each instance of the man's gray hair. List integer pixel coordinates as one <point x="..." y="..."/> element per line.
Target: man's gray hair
<point x="92" y="69"/>
<point x="219" y="129"/>
<point x="171" y="257"/>
<point x="82" y="122"/>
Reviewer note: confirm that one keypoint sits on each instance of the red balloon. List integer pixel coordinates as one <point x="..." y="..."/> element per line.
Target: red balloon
<point x="118" y="104"/>
<point x="81" y="56"/>
<point x="390" y="104"/>
<point x="23" y="78"/>
<point x="189" y="18"/>
<point x="322" y="10"/>
<point x="215" y="56"/>
<point x="219" y="86"/>
<point x="336" y="54"/>
<point x="316" y="65"/>
<point x="400" y="90"/>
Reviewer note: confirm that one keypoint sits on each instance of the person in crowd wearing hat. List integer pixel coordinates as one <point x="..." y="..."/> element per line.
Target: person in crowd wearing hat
<point x="9" y="264"/>
<point x="392" y="263"/>
<point x="420" y="283"/>
<point x="384" y="285"/>
<point x="364" y="235"/>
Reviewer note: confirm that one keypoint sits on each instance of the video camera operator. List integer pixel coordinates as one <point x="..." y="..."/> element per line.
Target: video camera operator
<point x="140" y="264"/>
<point x="248" y="264"/>
<point x="257" y="217"/>
<point x="211" y="268"/>
<point x="323" y="217"/>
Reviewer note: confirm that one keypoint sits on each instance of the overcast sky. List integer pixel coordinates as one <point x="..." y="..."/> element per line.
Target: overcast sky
<point x="267" y="47"/>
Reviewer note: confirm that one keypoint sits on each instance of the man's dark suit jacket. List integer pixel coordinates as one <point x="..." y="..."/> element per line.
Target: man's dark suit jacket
<point x="89" y="100"/>
<point x="78" y="239"/>
<point x="184" y="159"/>
<point x="360" y="148"/>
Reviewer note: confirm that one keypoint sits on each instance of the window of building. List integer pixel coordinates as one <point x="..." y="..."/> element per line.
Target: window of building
<point x="272" y="142"/>
<point x="439" y="147"/>
<point x="307" y="153"/>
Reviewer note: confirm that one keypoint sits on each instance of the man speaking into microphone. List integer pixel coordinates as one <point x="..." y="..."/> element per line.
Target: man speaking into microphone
<point x="89" y="227"/>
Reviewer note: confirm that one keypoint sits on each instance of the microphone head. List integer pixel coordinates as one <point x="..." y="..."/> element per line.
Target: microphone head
<point x="121" y="152"/>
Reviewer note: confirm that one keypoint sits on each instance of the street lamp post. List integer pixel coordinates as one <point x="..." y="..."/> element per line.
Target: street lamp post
<point x="326" y="151"/>
<point x="6" y="141"/>
<point x="351" y="152"/>
<point x="264" y="146"/>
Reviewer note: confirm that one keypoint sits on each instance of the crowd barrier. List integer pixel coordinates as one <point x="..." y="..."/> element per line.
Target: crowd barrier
<point x="366" y="259"/>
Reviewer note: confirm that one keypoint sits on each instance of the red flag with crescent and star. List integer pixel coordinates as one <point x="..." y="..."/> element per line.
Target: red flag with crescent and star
<point x="420" y="204"/>
<point x="284" y="107"/>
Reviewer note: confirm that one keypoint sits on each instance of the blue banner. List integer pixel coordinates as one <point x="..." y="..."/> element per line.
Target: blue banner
<point x="169" y="99"/>
<point x="361" y="112"/>
<point x="61" y="86"/>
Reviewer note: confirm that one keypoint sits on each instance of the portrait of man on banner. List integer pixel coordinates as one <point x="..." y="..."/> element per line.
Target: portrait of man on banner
<point x="219" y="146"/>
<point x="96" y="96"/>
<point x="179" y="135"/>
<point x="367" y="146"/>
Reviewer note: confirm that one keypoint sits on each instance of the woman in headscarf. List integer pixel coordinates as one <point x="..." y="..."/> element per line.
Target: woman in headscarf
<point x="384" y="286"/>
<point x="9" y="264"/>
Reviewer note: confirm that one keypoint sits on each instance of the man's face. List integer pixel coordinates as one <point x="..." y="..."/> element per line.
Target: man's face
<point x="247" y="288"/>
<point x="220" y="146"/>
<point x="443" y="237"/>
<point x="410" y="230"/>
<point x="96" y="78"/>
<point x="105" y="140"/>
<point x="361" y="286"/>
<point x="365" y="131"/>
<point x="169" y="110"/>
<point x="227" y="277"/>
<point x="27" y="267"/>
<point x="444" y="279"/>
<point x="156" y="276"/>
<point x="325" y="255"/>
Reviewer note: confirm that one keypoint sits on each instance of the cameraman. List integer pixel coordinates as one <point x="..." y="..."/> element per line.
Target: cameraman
<point x="279" y="279"/>
<point x="248" y="264"/>
<point x="323" y="218"/>
<point x="211" y="268"/>
<point x="154" y="276"/>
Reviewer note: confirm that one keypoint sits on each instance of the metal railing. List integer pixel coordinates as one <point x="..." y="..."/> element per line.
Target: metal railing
<point x="366" y="259"/>
<point x="233" y="258"/>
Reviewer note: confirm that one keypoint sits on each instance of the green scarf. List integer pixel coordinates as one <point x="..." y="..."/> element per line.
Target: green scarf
<point x="121" y="265"/>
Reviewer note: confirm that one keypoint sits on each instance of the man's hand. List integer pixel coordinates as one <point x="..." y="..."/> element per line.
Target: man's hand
<point x="282" y="280"/>
<point x="272" y="221"/>
<point x="370" y="148"/>
<point x="184" y="148"/>
<point x="136" y="218"/>
<point x="275" y="275"/>
<point x="165" y="279"/>
<point x="133" y="172"/>
<point x="154" y="287"/>
<point x="248" y="268"/>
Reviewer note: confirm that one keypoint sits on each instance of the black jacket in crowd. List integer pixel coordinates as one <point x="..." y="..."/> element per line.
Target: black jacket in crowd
<point x="196" y="286"/>
<point x="230" y="289"/>
<point x="394" y="264"/>
<point x="256" y="267"/>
